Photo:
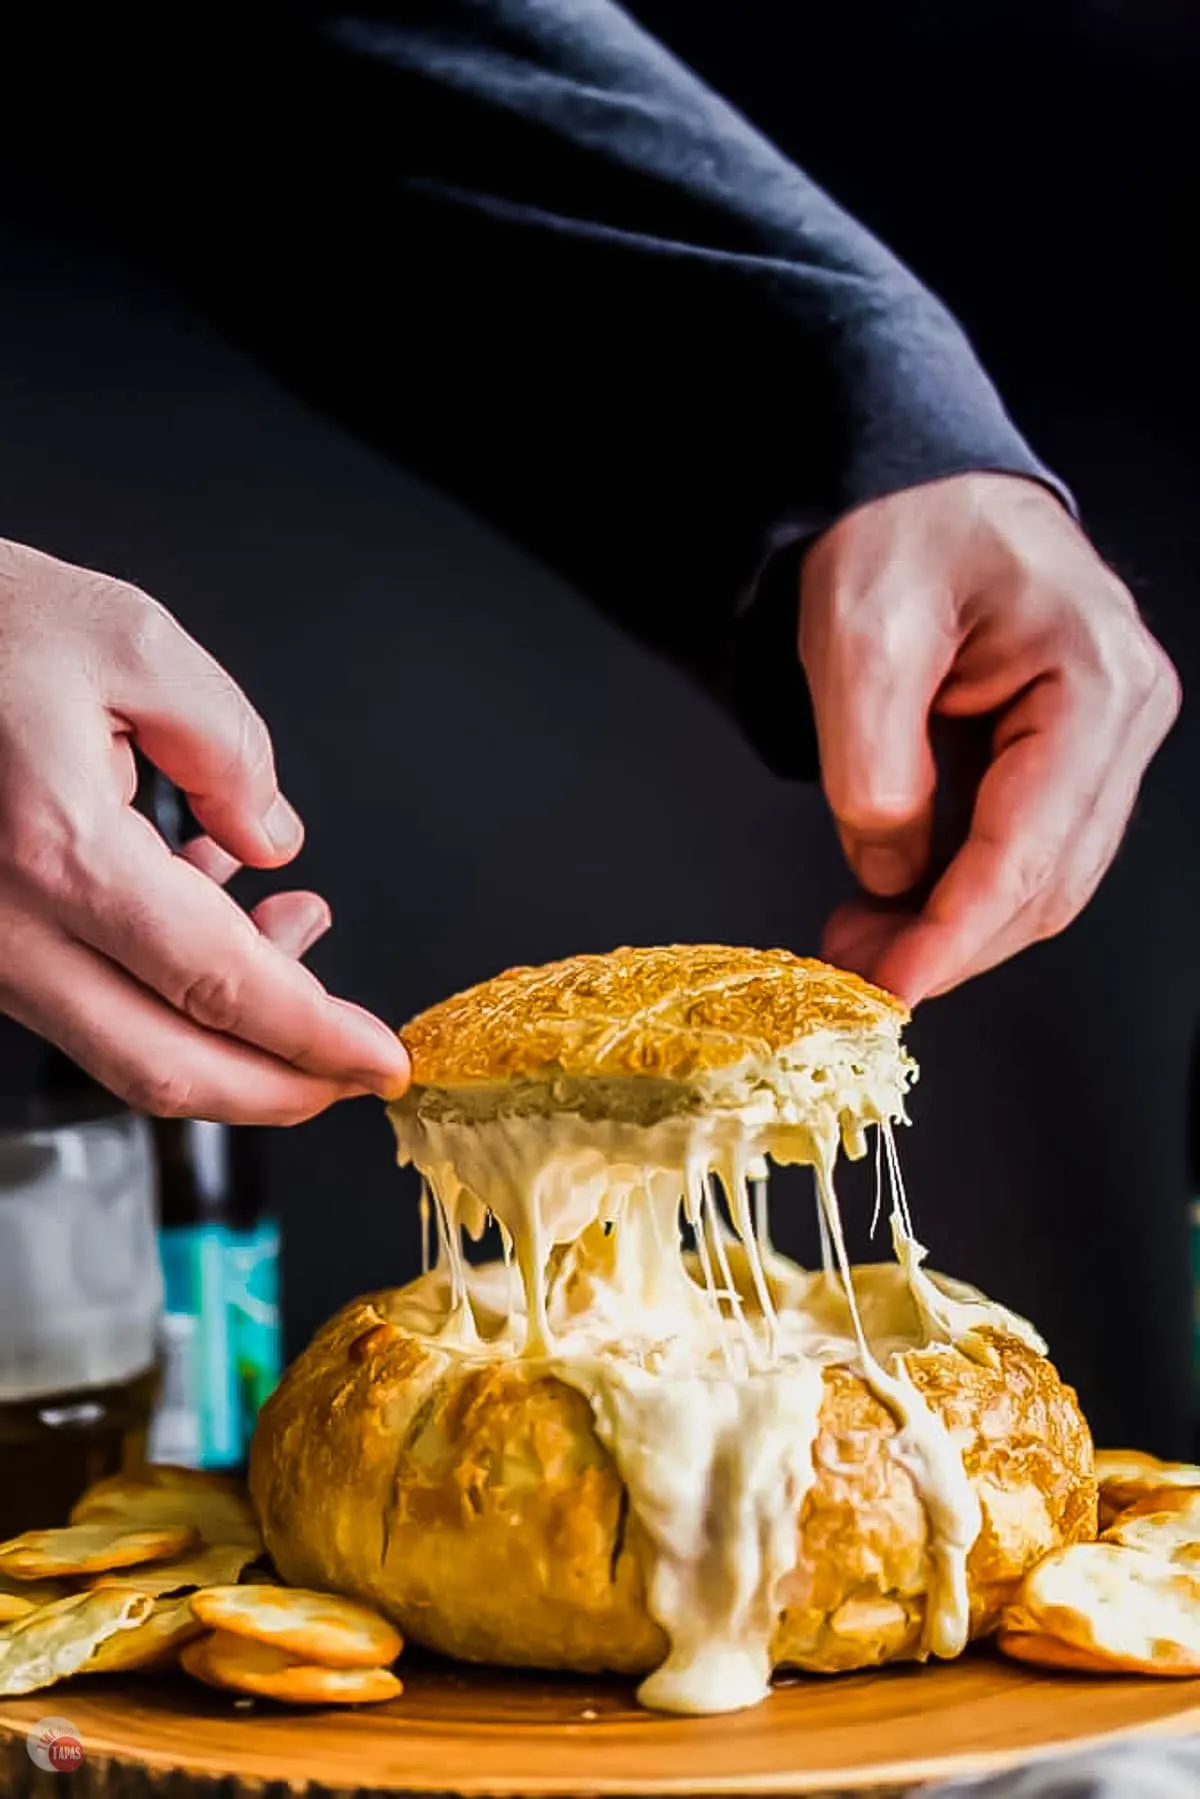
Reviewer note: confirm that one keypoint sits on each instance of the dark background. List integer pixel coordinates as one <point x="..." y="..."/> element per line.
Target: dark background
<point x="490" y="773"/>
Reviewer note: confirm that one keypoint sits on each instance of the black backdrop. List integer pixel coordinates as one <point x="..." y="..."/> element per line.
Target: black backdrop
<point x="490" y="773"/>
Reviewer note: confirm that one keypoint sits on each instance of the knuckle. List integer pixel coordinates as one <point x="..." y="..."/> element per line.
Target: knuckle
<point x="47" y="846"/>
<point x="1060" y="910"/>
<point x="253" y="757"/>
<point x="1143" y="668"/>
<point x="126" y="598"/>
<point x="1166" y="693"/>
<point x="1145" y="683"/>
<point x="1029" y="873"/>
<point x="1119" y="657"/>
<point x="868" y="635"/>
<point x="107" y="599"/>
<point x="873" y="811"/>
<point x="215" y="999"/>
<point x="843" y="623"/>
<point x="142" y="632"/>
<point x="160" y="1092"/>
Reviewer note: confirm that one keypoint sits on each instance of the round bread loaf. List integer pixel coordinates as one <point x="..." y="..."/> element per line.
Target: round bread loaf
<point x="673" y="1011"/>
<point x="474" y="1504"/>
<point x="627" y="1458"/>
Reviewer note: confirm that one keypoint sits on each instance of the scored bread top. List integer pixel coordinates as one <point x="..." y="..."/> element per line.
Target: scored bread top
<point x="671" y="1012"/>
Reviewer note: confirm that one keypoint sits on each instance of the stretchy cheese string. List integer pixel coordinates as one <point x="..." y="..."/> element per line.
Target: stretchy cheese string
<point x="706" y="1385"/>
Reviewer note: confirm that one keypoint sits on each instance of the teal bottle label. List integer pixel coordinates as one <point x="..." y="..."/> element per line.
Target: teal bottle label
<point x="252" y="1299"/>
<point x="221" y="1341"/>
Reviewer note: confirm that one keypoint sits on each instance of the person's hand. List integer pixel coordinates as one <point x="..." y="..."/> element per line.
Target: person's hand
<point x="131" y="959"/>
<point x="976" y="596"/>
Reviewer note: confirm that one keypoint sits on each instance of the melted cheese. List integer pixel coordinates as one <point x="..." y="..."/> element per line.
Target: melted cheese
<point x="704" y="1368"/>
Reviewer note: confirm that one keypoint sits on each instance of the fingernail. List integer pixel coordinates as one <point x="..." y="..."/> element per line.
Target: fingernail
<point x="884" y="870"/>
<point x="387" y="1087"/>
<point x="384" y="1068"/>
<point x="311" y="936"/>
<point x="314" y="926"/>
<point x="282" y="825"/>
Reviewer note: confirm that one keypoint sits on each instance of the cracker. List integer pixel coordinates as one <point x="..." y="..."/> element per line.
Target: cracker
<point x="212" y="1565"/>
<point x="1164" y="1522"/>
<point x="59" y="1639"/>
<point x="241" y="1665"/>
<point x="154" y="1644"/>
<point x="91" y="1548"/>
<point x="308" y="1626"/>
<point x="215" y="1505"/>
<point x="1124" y="1607"/>
<point x="1126" y="1476"/>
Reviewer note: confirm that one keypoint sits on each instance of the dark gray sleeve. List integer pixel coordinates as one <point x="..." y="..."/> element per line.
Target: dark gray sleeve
<point x="653" y="349"/>
<point x="521" y="245"/>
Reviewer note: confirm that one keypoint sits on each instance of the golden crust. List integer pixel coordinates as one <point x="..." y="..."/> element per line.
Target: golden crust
<point x="672" y="1012"/>
<point x="475" y="1506"/>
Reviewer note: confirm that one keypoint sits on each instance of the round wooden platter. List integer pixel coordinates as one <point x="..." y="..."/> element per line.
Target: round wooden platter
<point x="482" y="1735"/>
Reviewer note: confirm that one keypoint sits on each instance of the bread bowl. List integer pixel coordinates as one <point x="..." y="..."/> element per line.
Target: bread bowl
<point x="641" y="1441"/>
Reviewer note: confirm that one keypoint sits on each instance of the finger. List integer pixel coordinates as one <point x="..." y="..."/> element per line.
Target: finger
<point x="292" y="921"/>
<point x="141" y="1050"/>
<point x="876" y="941"/>
<point x="196" y="725"/>
<point x="1047" y="777"/>
<point x="874" y="665"/>
<point x="1090" y="853"/>
<point x="177" y="933"/>
<point x="210" y="859"/>
<point x="861" y="933"/>
<point x="858" y="934"/>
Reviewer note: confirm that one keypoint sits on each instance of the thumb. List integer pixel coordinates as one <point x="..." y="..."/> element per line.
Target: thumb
<point x="874" y="667"/>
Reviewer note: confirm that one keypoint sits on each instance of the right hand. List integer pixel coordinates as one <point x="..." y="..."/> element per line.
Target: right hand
<point x="129" y="958"/>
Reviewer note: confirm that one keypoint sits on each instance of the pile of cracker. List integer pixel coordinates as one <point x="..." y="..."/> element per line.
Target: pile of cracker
<point x="164" y="1568"/>
<point x="1128" y="1603"/>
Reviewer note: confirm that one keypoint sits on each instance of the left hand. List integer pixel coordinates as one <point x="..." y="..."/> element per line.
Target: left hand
<point x="974" y="596"/>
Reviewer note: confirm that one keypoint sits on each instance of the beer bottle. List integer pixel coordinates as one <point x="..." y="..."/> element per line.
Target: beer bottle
<point x="219" y="1247"/>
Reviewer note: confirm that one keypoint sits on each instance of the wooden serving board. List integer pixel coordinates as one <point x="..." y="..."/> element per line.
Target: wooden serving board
<point x="483" y="1735"/>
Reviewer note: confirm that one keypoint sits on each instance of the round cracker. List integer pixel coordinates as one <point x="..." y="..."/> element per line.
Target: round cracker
<point x="241" y="1665"/>
<point x="1127" y="1476"/>
<point x="1165" y="1522"/>
<point x="216" y="1505"/>
<point x="1124" y="1606"/>
<point x="91" y="1548"/>
<point x="308" y="1626"/>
